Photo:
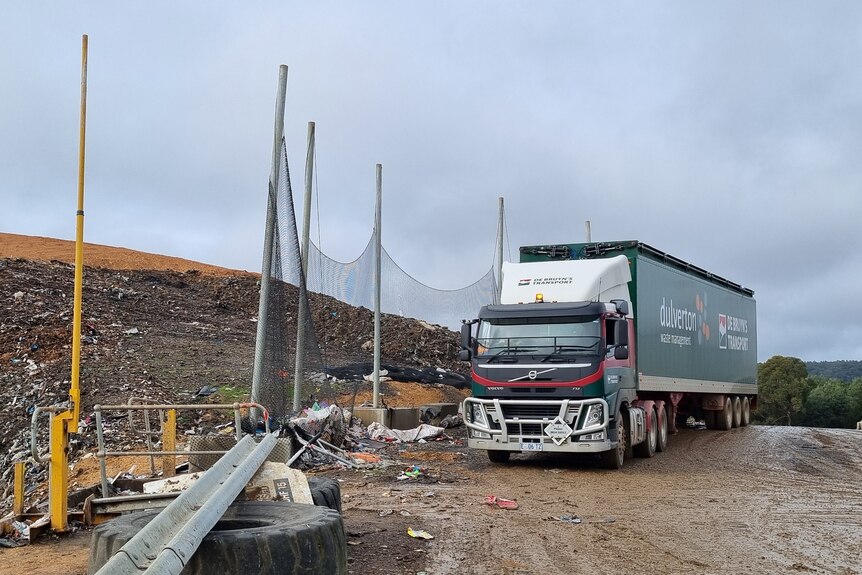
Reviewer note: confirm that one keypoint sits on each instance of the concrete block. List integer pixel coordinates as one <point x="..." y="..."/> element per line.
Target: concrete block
<point x="403" y="417"/>
<point x="369" y="415"/>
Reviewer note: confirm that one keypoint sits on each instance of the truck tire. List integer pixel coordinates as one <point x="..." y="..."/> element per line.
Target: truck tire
<point x="724" y="418"/>
<point x="661" y="438"/>
<point x="498" y="456"/>
<point x="266" y="537"/>
<point x="746" y="412"/>
<point x="737" y="411"/>
<point x="709" y="418"/>
<point x="646" y="448"/>
<point x="615" y="458"/>
<point x="325" y="492"/>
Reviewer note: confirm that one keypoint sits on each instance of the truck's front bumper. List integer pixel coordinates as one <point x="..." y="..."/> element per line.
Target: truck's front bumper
<point x="561" y="425"/>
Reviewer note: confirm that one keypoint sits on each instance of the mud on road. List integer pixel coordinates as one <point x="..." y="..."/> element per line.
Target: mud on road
<point x="752" y="500"/>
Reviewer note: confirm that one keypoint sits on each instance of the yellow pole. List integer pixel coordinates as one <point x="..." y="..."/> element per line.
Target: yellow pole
<point x="62" y="424"/>
<point x="18" y="489"/>
<point x="75" y="391"/>
<point x="169" y="443"/>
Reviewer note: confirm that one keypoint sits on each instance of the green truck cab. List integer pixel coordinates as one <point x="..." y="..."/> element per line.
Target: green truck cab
<point x="601" y="348"/>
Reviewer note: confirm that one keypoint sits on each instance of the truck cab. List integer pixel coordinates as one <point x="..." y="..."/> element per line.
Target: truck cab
<point x="549" y="375"/>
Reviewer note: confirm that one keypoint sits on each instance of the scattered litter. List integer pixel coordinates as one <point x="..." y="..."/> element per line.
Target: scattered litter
<point x="429" y="494"/>
<point x="380" y="432"/>
<point x="354" y="542"/>
<point x="419" y="534"/>
<point x="500" y="502"/>
<point x="573" y="519"/>
<point x="207" y="390"/>
<point x="385" y="513"/>
<point x="365" y="457"/>
<point x="404" y="513"/>
<point x="132" y="331"/>
<point x="554" y="470"/>
<point x="412" y="473"/>
<point x="608" y="520"/>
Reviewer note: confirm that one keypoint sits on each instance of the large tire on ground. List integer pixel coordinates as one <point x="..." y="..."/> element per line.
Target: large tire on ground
<point x="325" y="492"/>
<point x="498" y="456"/>
<point x="737" y="411"/>
<point x="262" y="537"/>
<point x="746" y="412"/>
<point x="615" y="458"/>
<point x="724" y="418"/>
<point x="646" y="448"/>
<point x="661" y="437"/>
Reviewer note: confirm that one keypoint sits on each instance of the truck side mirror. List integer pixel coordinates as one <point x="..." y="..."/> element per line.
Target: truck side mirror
<point x="622" y="306"/>
<point x="621" y="332"/>
<point x="621" y="352"/>
<point x="465" y="336"/>
<point x="465" y="355"/>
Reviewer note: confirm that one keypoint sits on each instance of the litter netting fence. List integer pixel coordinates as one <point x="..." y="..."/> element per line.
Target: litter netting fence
<point x="295" y="297"/>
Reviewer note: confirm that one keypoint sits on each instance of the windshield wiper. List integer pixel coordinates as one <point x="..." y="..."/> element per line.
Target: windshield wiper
<point x="560" y="349"/>
<point x="510" y="352"/>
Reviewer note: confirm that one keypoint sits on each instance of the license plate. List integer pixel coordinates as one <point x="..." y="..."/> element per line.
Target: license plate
<point x="531" y="446"/>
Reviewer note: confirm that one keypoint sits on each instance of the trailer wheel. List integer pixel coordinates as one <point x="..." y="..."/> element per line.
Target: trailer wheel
<point x="646" y="448"/>
<point x="615" y="458"/>
<point x="498" y="456"/>
<point x="724" y="418"/>
<point x="661" y="439"/>
<point x="325" y="492"/>
<point x="271" y="537"/>
<point x="746" y="412"/>
<point x="737" y="411"/>
<point x="709" y="419"/>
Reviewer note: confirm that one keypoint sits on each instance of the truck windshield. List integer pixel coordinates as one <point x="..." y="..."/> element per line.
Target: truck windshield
<point x="534" y="336"/>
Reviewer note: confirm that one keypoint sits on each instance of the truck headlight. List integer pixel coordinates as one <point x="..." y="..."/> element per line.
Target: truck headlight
<point x="595" y="414"/>
<point x="478" y="415"/>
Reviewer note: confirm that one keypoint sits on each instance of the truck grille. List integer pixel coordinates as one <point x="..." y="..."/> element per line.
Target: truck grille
<point x="514" y="412"/>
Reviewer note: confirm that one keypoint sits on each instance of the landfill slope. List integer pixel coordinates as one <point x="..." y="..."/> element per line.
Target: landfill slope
<point x="155" y="327"/>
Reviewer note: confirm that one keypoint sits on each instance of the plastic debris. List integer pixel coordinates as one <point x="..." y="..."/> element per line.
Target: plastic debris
<point x="419" y="534"/>
<point x="380" y="432"/>
<point x="414" y="472"/>
<point x="500" y="502"/>
<point x="573" y="519"/>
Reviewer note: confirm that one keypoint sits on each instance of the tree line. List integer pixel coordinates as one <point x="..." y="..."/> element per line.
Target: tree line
<point x="789" y="395"/>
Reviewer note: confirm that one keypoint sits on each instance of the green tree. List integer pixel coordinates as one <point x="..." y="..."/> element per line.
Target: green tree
<point x="854" y="398"/>
<point x="783" y="387"/>
<point x="828" y="403"/>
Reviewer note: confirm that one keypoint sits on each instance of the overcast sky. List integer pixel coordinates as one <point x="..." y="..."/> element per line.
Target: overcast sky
<point x="728" y="134"/>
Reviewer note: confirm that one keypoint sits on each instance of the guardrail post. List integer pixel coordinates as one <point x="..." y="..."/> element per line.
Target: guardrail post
<point x="169" y="443"/>
<point x="18" y="489"/>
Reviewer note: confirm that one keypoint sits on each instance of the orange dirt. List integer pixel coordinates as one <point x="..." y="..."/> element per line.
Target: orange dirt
<point x="95" y="255"/>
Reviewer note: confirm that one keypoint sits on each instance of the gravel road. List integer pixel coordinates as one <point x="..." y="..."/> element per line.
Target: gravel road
<point x="752" y="500"/>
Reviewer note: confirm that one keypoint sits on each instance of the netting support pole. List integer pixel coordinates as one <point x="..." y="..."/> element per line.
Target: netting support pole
<point x="378" y="242"/>
<point x="500" y="222"/>
<point x="587" y="232"/>
<point x="269" y="235"/>
<point x="303" y="293"/>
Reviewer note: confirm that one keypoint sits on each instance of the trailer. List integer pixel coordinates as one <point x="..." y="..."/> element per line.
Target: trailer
<point x="605" y="348"/>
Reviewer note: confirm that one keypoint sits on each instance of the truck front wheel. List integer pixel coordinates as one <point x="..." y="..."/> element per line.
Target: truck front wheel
<point x="615" y="458"/>
<point x="497" y="456"/>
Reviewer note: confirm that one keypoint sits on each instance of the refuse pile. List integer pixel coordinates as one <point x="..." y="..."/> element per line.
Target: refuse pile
<point x="163" y="336"/>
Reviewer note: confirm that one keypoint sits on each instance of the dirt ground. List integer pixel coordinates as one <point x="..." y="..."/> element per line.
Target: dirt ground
<point x="752" y="500"/>
<point x="749" y="501"/>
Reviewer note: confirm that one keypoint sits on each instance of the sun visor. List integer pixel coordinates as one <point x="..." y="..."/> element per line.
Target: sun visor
<point x="567" y="280"/>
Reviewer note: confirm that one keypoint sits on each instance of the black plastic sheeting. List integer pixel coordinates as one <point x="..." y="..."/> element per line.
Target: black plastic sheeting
<point x="429" y="375"/>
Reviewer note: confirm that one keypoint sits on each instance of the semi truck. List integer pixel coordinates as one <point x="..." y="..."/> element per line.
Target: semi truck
<point x="605" y="348"/>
